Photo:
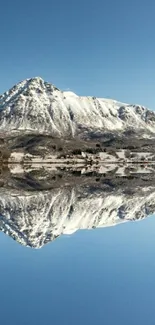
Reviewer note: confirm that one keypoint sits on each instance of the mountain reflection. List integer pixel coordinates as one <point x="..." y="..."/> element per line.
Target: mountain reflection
<point x="40" y="203"/>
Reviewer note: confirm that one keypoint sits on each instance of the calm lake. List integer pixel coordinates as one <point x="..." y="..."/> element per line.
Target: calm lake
<point x="77" y="255"/>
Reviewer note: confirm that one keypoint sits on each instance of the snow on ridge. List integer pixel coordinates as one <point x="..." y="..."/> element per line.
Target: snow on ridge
<point x="37" y="105"/>
<point x="69" y="93"/>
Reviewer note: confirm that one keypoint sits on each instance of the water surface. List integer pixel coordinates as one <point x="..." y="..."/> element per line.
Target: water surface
<point x="101" y="275"/>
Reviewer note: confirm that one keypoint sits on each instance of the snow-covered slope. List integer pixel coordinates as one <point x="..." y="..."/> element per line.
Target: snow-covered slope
<point x="33" y="219"/>
<point x="35" y="105"/>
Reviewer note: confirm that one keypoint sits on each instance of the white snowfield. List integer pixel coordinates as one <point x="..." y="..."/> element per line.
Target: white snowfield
<point x="35" y="105"/>
<point x="38" y="218"/>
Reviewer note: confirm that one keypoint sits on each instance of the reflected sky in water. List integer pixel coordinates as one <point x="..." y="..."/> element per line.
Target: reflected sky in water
<point x="99" y="276"/>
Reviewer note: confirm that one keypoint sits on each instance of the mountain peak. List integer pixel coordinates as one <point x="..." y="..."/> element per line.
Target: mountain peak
<point x="30" y="83"/>
<point x="35" y="80"/>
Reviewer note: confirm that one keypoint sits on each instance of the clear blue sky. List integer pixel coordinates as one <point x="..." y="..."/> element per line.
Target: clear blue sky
<point x="102" y="47"/>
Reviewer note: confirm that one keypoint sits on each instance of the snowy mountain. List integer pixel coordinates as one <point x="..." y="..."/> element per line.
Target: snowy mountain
<point x="34" y="105"/>
<point x="36" y="218"/>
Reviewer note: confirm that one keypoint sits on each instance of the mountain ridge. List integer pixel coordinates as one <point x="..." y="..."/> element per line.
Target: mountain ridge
<point x="35" y="105"/>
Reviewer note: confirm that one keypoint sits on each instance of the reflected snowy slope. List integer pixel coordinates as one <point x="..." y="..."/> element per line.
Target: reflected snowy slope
<point x="34" y="215"/>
